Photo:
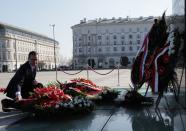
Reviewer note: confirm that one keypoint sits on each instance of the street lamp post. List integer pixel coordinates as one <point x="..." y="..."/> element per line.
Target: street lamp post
<point x="53" y="26"/>
<point x="16" y="53"/>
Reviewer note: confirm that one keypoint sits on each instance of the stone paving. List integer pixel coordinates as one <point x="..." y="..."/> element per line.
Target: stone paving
<point x="102" y="80"/>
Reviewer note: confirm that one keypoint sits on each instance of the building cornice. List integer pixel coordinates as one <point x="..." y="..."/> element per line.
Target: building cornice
<point x="113" y="21"/>
<point x="8" y="26"/>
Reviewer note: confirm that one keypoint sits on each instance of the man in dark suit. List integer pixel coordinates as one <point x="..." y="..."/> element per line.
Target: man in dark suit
<point x="23" y="81"/>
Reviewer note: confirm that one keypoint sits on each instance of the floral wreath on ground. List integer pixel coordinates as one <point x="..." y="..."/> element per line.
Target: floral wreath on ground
<point x="90" y="90"/>
<point x="52" y="101"/>
<point x="72" y="98"/>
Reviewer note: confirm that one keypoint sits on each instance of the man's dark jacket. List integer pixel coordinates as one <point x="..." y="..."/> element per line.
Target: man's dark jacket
<point x="22" y="81"/>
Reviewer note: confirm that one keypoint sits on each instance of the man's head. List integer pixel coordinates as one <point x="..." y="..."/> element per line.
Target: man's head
<point x="155" y="21"/>
<point x="32" y="58"/>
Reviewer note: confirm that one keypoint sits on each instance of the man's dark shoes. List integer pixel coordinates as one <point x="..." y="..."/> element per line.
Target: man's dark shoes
<point x="6" y="105"/>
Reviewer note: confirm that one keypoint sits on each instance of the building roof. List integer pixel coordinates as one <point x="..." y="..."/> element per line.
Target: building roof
<point x="5" y="25"/>
<point x="120" y="20"/>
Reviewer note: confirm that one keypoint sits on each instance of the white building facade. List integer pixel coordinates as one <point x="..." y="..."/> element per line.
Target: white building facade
<point x="16" y="43"/>
<point x="178" y="7"/>
<point x="104" y="43"/>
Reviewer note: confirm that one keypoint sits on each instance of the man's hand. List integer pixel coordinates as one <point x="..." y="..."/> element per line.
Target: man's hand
<point x="35" y="82"/>
<point x="18" y="96"/>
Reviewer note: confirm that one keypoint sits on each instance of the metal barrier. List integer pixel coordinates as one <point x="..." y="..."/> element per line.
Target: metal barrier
<point x="87" y="68"/>
<point x="72" y="73"/>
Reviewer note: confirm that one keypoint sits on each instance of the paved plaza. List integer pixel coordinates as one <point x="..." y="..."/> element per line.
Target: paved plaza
<point x="113" y="79"/>
<point x="104" y="117"/>
<point x="101" y="79"/>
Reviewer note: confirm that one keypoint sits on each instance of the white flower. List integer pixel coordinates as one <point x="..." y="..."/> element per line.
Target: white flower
<point x="79" y="101"/>
<point x="171" y="28"/>
<point x="71" y="105"/>
<point x="171" y="35"/>
<point x="99" y="97"/>
<point x="172" y="44"/>
<point x="80" y="105"/>
<point x="88" y="104"/>
<point x="75" y="98"/>
<point x="65" y="105"/>
<point x="85" y="104"/>
<point x="75" y="101"/>
<point x="57" y="106"/>
<point x="172" y="51"/>
<point x="104" y="92"/>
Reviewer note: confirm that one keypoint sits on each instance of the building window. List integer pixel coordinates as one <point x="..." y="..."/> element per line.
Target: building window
<point x="122" y="42"/>
<point x="130" y="29"/>
<point x="130" y="36"/>
<point x="122" y="48"/>
<point x="114" y="37"/>
<point x="138" y="36"/>
<point x="115" y="42"/>
<point x="100" y="50"/>
<point x="130" y="48"/>
<point x="89" y="50"/>
<point x="138" y="29"/>
<point x="8" y="43"/>
<point x="122" y="37"/>
<point x="99" y="37"/>
<point x="9" y="55"/>
<point x="115" y="48"/>
<point x="138" y="47"/>
<point x="107" y="48"/>
<point x="80" y="50"/>
<point x="130" y="42"/>
<point x="138" y="42"/>
<point x="107" y="37"/>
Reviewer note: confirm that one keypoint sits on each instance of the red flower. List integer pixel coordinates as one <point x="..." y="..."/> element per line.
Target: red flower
<point x="161" y="70"/>
<point x="166" y="58"/>
<point x="2" y="89"/>
<point x="147" y="74"/>
<point x="49" y="96"/>
<point x="82" y="80"/>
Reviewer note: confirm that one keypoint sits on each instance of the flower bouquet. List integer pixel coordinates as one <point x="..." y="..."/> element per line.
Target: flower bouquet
<point x="52" y="101"/>
<point x="108" y="94"/>
<point x="89" y="89"/>
<point x="156" y="60"/>
<point x="133" y="98"/>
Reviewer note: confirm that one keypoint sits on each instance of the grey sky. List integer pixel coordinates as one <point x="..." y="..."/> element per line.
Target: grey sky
<point x="37" y="15"/>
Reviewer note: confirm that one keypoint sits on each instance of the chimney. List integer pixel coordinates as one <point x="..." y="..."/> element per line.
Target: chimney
<point x="84" y="20"/>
